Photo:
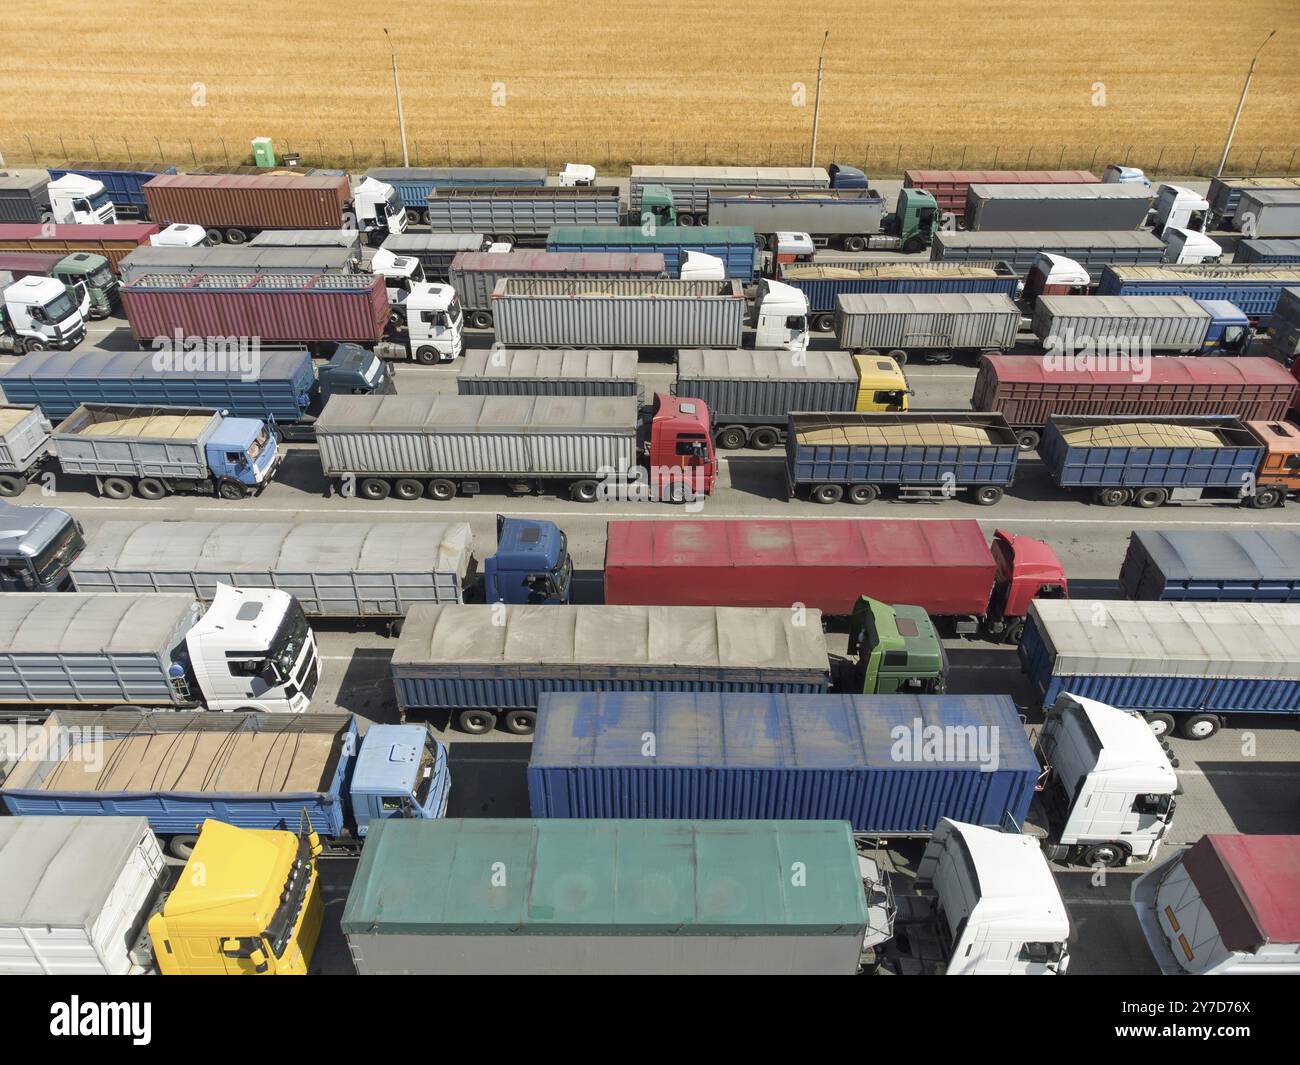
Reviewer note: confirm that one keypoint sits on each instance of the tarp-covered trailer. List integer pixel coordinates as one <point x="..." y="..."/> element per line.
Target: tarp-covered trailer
<point x="1213" y="565"/>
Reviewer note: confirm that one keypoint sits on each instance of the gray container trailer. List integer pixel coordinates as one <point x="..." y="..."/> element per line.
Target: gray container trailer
<point x="1100" y="206"/>
<point x="359" y="571"/>
<point x="24" y="197"/>
<point x="96" y="648"/>
<point x="476" y="660"/>
<point x="1164" y="324"/>
<point x="937" y="325"/>
<point x="1225" y="194"/>
<point x="348" y="239"/>
<point x="1284" y="324"/>
<point x="1268" y="213"/>
<point x="475" y="275"/>
<point x="147" y="260"/>
<point x="1280" y="251"/>
<point x="820" y="213"/>
<point x="24" y="446"/>
<point x="522" y="216"/>
<point x="1091" y="249"/>
<point x="545" y="372"/>
<point x="619" y="313"/>
<point x="1213" y="565"/>
<point x="691" y="185"/>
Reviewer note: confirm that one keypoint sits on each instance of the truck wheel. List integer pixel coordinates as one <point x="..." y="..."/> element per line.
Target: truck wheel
<point x="505" y="238"/>
<point x="855" y="243"/>
<point x="116" y="488"/>
<point x="374" y="488"/>
<point x="182" y="847"/>
<point x="476" y="722"/>
<point x="1110" y="497"/>
<point x="764" y="439"/>
<point x="212" y="238"/>
<point x="938" y="356"/>
<point x="426" y="356"/>
<point x="988" y="494"/>
<point x="442" y="489"/>
<point x="584" y="491"/>
<point x="408" y="488"/>
<point x="1014" y="633"/>
<point x="11" y="486"/>
<point x="32" y="344"/>
<point x="1160" y="724"/>
<point x="481" y="319"/>
<point x="824" y="323"/>
<point x="862" y="494"/>
<point x="732" y="438"/>
<point x="150" y="488"/>
<point x="1266" y="498"/>
<point x="899" y="356"/>
<point x="827" y="493"/>
<point x="1150" y="498"/>
<point x="1109" y="855"/>
<point x="236" y="236"/>
<point x="685" y="218"/>
<point x="1029" y="439"/>
<point x="228" y="489"/>
<point x="760" y="241"/>
<point x="1198" y="726"/>
<point x="913" y="244"/>
<point x="412" y="216"/>
<point x="521" y="722"/>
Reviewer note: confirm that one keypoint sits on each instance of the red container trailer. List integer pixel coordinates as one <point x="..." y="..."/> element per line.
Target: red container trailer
<point x="114" y="242"/>
<point x="1027" y="391"/>
<point x="945" y="567"/>
<point x="279" y="308"/>
<point x="249" y="202"/>
<point x="948" y="187"/>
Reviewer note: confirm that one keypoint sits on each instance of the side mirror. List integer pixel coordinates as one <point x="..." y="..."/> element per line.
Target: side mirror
<point x="231" y="948"/>
<point x="258" y="958"/>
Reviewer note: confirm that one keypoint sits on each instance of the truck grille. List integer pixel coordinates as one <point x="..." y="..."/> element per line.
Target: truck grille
<point x="309" y="675"/>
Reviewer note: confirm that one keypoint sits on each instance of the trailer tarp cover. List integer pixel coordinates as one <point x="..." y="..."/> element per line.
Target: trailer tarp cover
<point x="1248" y="884"/>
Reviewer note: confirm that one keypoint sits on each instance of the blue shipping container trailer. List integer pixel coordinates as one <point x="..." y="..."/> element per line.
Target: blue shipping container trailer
<point x="1211" y="565"/>
<point x="1254" y="289"/>
<point x="889" y="765"/>
<point x="123" y="182"/>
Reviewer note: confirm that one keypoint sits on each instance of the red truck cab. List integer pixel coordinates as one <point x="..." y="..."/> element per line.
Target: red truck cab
<point x="1027" y="569"/>
<point x="680" y="458"/>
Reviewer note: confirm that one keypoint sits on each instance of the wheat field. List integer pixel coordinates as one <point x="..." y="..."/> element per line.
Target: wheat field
<point x="951" y="83"/>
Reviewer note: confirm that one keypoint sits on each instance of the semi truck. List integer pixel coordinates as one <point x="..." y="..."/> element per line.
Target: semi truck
<point x="855" y="219"/>
<point x="822" y="282"/>
<point x="68" y="200"/>
<point x="1094" y="327"/>
<point x="1226" y="906"/>
<point x="247" y="770"/>
<point x="435" y="252"/>
<point x="1212" y="565"/>
<point x="444" y="446"/>
<point x="944" y="567"/>
<point x="1254" y="289"/>
<point x="937" y="326"/>
<point x="232" y="259"/>
<point x="123" y="182"/>
<point x="546" y="372"/>
<point x="733" y="244"/>
<point x="414" y="184"/>
<point x="520" y="216"/>
<point x="37" y="545"/>
<point x="113" y="242"/>
<point x="281" y="387"/>
<point x="1268" y="252"/>
<point x="1284" y="325"/>
<point x="1184" y="665"/>
<point x="750" y="394"/>
<point x="1177" y="207"/>
<point x="37" y="313"/>
<point x="949" y="187"/>
<point x="1225" y="194"/>
<point x="250" y="650"/>
<point x="1061" y="207"/>
<point x="1091" y="249"/>
<point x="320" y="310"/>
<point x="1151" y="460"/>
<point x="646" y="314"/>
<point x="348" y="571"/>
<point x="661" y="897"/>
<point x="474" y="275"/>
<point x="690" y="187"/>
<point x="917" y="455"/>
<point x="155" y="451"/>
<point x="1268" y="213"/>
<point x="86" y="275"/>
<point x="1028" y="391"/>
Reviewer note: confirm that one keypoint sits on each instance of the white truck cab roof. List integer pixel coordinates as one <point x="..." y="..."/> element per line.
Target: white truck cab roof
<point x="385" y="264"/>
<point x="1187" y="245"/>
<point x="577" y="174"/>
<point x="1131" y="754"/>
<point x="1060" y="269"/>
<point x="429" y="296"/>
<point x="257" y="611"/>
<point x="700" y="266"/>
<point x="34" y="290"/>
<point x="1015" y="886"/>
<point x="179" y="235"/>
<point x="789" y="243"/>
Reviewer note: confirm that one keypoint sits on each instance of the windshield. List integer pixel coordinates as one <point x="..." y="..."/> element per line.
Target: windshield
<point x="101" y="277"/>
<point x="560" y="572"/>
<point x="453" y="309"/>
<point x="258" y="445"/>
<point x="290" y="640"/>
<point x="54" y="558"/>
<point x="61" y="307"/>
<point x="101" y="200"/>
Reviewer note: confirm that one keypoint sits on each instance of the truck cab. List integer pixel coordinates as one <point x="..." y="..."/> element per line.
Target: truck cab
<point x="1027" y="569"/>
<point x="37" y="548"/>
<point x="39" y="313"/>
<point x="789" y="249"/>
<point x="780" y="317"/>
<point x="179" y="235"/>
<point x="400" y="771"/>
<point x="1186" y="247"/>
<point x="847" y="177"/>
<point x="575" y="175"/>
<point x="353" y="371"/>
<point x="1108" y="783"/>
<point x="1114" y="174"/>
<point x="378" y="207"/>
<point x="701" y="266"/>
<point x="882" y="384"/>
<point x="248" y="902"/>
<point x="243" y="452"/>
<point x="657" y="208"/>
<point x="400" y="272"/>
<point x="1055" y="275"/>
<point x="251" y="650"/>
<point x="80" y="200"/>
<point x="1278" y="478"/>
<point x="532" y="563"/>
<point x="1230" y="332"/>
<point x="435" y="323"/>
<point x="1180" y="208"/>
<point x="91" y="275"/>
<point x="916" y="217"/>
<point x="897" y="649"/>
<point x="680" y="457"/>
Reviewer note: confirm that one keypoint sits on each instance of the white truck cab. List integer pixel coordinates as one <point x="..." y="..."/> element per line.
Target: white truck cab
<point x="179" y="235"/>
<point x="1180" y="208"/>
<point x="378" y="208"/>
<point x="780" y="317"/>
<point x="1055" y="275"/>
<point x="1107" y="790"/>
<point x="1187" y="246"/>
<point x="576" y="174"/>
<point x="253" y="650"/>
<point x="399" y="272"/>
<point x="790" y="248"/>
<point x="1115" y="174"/>
<point x="435" y="324"/>
<point x="40" y="313"/>
<point x="80" y="200"/>
<point x="700" y="266"/>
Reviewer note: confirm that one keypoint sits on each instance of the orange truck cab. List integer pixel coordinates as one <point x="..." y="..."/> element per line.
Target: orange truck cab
<point x="1278" y="477"/>
<point x="680" y="457"/>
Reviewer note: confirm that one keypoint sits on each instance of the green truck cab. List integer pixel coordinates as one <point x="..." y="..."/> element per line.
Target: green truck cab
<point x="82" y="268"/>
<point x="897" y="650"/>
<point x="916" y="216"/>
<point x="656" y="207"/>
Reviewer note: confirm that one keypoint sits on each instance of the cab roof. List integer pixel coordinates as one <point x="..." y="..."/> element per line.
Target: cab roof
<point x="244" y="871"/>
<point x="389" y="762"/>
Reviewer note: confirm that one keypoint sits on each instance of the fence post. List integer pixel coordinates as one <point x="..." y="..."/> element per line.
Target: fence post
<point x="158" y="145"/>
<point x="1191" y="163"/>
<point x="94" y="144"/>
<point x="192" y="153"/>
<point x="224" y="150"/>
<point x="1060" y="159"/>
<point x="1029" y="155"/>
<point x="30" y="147"/>
<point x="1290" y="161"/>
<point x="1257" y="160"/>
<point x="64" y="148"/>
<point x="898" y="158"/>
<point x="1093" y="165"/>
<point x="1159" y="160"/>
<point x="996" y="149"/>
<point x="962" y="162"/>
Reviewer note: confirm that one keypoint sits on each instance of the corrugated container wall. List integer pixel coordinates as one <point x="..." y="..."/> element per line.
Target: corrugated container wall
<point x="948" y="187"/>
<point x="922" y="320"/>
<point x="114" y="242"/>
<point x="543" y="372"/>
<point x="1091" y="249"/>
<point x="475" y="274"/>
<point x="1213" y="565"/>
<point x="1088" y="206"/>
<point x="1156" y="323"/>
<point x="742" y="383"/>
<point x="254" y="201"/>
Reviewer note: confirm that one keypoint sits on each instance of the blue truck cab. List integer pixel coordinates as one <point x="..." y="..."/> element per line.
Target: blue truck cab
<point x="401" y="771"/>
<point x="1229" y="330"/>
<point x="532" y="564"/>
<point x="243" y="450"/>
<point x="847" y="177"/>
<point x="351" y="371"/>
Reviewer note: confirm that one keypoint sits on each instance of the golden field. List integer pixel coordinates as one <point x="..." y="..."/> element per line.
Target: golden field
<point x="975" y="83"/>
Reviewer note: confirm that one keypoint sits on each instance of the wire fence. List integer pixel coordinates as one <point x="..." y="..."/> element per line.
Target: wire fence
<point x="879" y="159"/>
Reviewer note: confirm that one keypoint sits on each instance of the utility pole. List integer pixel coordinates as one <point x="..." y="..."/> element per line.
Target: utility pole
<point x="397" y="91"/>
<point x="1240" y="104"/>
<point x="817" y="101"/>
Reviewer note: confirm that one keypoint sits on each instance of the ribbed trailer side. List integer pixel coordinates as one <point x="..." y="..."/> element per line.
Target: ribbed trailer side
<point x="1213" y="565"/>
<point x="255" y="201"/>
<point x="739" y="384"/>
<point x="1254" y="289"/>
<point x="1091" y="249"/>
<point x="544" y="372"/>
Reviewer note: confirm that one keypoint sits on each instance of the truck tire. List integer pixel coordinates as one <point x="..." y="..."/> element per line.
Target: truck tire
<point x="732" y="438"/>
<point x="862" y="494"/>
<point x="1014" y="633"/>
<point x="182" y="847"/>
<point x="231" y="489"/>
<point x="824" y="323"/>
<point x="116" y="487"/>
<point x="407" y="488"/>
<point x="1161" y="724"/>
<point x="1199" y="726"/>
<point x="481" y="319"/>
<point x="413" y="216"/>
<point x="764" y="438"/>
<point x="584" y="491"/>
<point x="1150" y="498"/>
<point x="939" y="356"/>
<point x="760" y="241"/>
<point x="855" y="243"/>
<point x="426" y="356"/>
<point x="442" y="489"/>
<point x="685" y="218"/>
<point x="1110" y="497"/>
<point x="374" y="488"/>
<point x="1107" y="855"/>
<point x="11" y="486"/>
<point x="521" y="722"/>
<point x="476" y="721"/>
<point x="899" y="356"/>
<point x="32" y="344"/>
<point x="988" y="494"/>
<point x="236" y="236"/>
<point x="1266" y="498"/>
<point x="150" y="488"/>
<point x="827" y="493"/>
<point x="1029" y="439"/>
<point x="212" y="238"/>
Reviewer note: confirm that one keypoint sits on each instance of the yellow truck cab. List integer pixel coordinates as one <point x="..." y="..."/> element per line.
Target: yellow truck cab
<point x="248" y="902"/>
<point x="882" y="385"/>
